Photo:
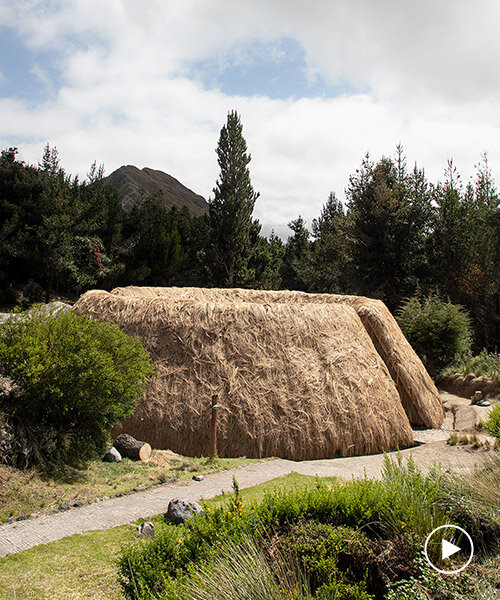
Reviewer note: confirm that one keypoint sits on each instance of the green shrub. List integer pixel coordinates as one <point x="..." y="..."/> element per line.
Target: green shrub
<point x="438" y="331"/>
<point x="493" y="423"/>
<point x="427" y="583"/>
<point x="329" y="555"/>
<point x="484" y="364"/>
<point x="76" y="379"/>
<point x="401" y="507"/>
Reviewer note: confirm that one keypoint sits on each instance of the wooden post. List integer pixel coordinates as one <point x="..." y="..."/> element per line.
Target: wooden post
<point x="212" y="452"/>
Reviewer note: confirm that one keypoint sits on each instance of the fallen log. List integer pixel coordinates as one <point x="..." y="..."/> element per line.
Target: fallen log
<point x="131" y="448"/>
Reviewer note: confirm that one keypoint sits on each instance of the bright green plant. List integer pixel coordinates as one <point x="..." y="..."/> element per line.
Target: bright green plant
<point x="402" y="507"/>
<point x="76" y="379"/>
<point x="484" y="364"/>
<point x="438" y="331"/>
<point x="493" y="422"/>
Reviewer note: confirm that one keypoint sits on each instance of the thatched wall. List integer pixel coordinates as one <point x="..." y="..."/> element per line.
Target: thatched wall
<point x="418" y="393"/>
<point x="296" y="380"/>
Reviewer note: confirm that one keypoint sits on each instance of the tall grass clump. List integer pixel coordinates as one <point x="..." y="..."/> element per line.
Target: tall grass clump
<point x="413" y="497"/>
<point x="438" y="331"/>
<point x="240" y="570"/>
<point x="484" y="364"/>
<point x="493" y="422"/>
<point x="74" y="379"/>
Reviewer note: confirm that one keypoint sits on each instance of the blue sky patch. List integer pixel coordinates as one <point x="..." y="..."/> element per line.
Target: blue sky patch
<point x="277" y="70"/>
<point x="26" y="75"/>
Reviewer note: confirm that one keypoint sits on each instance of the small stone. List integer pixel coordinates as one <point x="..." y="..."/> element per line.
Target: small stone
<point x="134" y="490"/>
<point x="10" y="519"/>
<point x="198" y="477"/>
<point x="104" y="498"/>
<point x="64" y="506"/>
<point x="119" y="495"/>
<point x="22" y="518"/>
<point x="112" y="455"/>
<point x="179" y="510"/>
<point x="147" y="529"/>
<point x="77" y="504"/>
<point x="34" y="515"/>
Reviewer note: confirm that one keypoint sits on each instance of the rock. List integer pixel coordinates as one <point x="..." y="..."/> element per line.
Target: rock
<point x="179" y="510"/>
<point x="77" y="504"/>
<point x="104" y="498"/>
<point x="198" y="477"/>
<point x="22" y="518"/>
<point x="10" y="519"/>
<point x="64" y="506"/>
<point x="112" y="455"/>
<point x="147" y="529"/>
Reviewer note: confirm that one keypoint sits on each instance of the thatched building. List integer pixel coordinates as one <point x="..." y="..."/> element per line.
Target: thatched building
<point x="300" y="376"/>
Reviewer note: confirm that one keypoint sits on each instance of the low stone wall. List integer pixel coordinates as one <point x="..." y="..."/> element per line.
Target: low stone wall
<point x="466" y="386"/>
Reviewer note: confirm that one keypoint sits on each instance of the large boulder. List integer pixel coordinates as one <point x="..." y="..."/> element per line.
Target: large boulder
<point x="179" y="510"/>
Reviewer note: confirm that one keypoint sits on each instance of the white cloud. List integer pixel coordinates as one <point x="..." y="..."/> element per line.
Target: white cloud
<point x="425" y="71"/>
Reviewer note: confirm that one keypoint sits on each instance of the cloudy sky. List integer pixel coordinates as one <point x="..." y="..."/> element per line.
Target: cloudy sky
<point x="318" y="83"/>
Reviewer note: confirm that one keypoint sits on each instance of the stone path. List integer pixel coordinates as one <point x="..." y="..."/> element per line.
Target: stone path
<point x="21" y="535"/>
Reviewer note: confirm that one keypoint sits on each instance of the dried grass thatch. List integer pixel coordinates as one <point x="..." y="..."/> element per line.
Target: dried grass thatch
<point x="296" y="380"/>
<point x="418" y="393"/>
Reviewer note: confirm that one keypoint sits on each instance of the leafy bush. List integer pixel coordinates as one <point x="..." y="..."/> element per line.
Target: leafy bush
<point x="438" y="331"/>
<point x="401" y="507"/>
<point x="75" y="380"/>
<point x="484" y="364"/>
<point x="426" y="583"/>
<point x="493" y="422"/>
<point x="331" y="556"/>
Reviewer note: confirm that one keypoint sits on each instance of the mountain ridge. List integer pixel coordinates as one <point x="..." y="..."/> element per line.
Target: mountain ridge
<point x="135" y="185"/>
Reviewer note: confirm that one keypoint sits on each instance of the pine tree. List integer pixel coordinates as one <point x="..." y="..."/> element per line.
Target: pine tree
<point x="230" y="210"/>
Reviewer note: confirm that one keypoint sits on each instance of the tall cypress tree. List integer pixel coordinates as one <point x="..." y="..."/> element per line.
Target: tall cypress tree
<point x="230" y="210"/>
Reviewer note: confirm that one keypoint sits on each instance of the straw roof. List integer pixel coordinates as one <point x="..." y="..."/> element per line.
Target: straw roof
<point x="296" y="378"/>
<point x="417" y="391"/>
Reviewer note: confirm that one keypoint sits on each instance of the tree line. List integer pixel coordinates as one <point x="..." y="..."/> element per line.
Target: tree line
<point x="397" y="235"/>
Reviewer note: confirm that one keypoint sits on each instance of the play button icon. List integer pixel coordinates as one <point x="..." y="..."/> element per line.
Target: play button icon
<point x="448" y="549"/>
<point x="446" y="542"/>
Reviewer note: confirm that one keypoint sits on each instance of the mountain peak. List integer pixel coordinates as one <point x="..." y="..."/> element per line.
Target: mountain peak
<point x="135" y="185"/>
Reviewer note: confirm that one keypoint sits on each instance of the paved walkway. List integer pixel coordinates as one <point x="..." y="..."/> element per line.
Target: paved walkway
<point x="21" y="535"/>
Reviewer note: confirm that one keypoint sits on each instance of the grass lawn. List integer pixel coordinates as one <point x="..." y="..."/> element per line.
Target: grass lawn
<point x="84" y="566"/>
<point x="27" y="492"/>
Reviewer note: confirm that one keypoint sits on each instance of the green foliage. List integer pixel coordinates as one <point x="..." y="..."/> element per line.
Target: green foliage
<point x="437" y="330"/>
<point x="238" y="571"/>
<point x="332" y="530"/>
<point x="493" y="422"/>
<point x="56" y="236"/>
<point x="332" y="557"/>
<point x="484" y="364"/>
<point x="388" y="209"/>
<point x="426" y="584"/>
<point x="77" y="379"/>
<point x="472" y="502"/>
<point x="230" y="210"/>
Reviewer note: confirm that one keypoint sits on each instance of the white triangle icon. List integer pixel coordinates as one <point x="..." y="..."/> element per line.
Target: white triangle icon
<point x="448" y="549"/>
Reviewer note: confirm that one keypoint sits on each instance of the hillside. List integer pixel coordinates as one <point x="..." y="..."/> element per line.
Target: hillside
<point x="135" y="185"/>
